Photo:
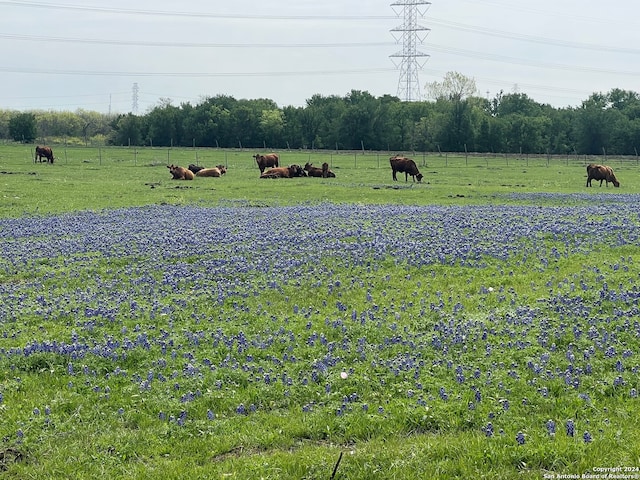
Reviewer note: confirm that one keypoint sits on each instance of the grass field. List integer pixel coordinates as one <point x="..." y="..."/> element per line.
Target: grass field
<point x="481" y="324"/>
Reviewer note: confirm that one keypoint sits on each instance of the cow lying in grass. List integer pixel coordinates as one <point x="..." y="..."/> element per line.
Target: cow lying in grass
<point x="180" y="173"/>
<point x="319" y="172"/>
<point x="217" y="171"/>
<point x="195" y="168"/>
<point x="284" y="172"/>
<point x="601" y="172"/>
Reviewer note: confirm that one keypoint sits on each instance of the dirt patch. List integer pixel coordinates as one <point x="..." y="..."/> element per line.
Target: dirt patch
<point x="9" y="456"/>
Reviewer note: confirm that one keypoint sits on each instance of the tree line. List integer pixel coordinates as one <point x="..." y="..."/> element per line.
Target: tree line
<point x="453" y="121"/>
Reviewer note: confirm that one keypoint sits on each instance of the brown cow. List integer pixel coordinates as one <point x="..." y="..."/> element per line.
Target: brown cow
<point x="45" y="152"/>
<point x="212" y="172"/>
<point x="318" y="172"/>
<point x="601" y="172"/>
<point x="284" y="172"/>
<point x="406" y="165"/>
<point x="180" y="173"/>
<point x="264" y="161"/>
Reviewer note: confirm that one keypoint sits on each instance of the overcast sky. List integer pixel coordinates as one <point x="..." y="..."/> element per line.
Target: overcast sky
<point x="72" y="54"/>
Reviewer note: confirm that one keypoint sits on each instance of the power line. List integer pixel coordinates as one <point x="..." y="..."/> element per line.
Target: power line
<point x="39" y="38"/>
<point x="125" y="11"/>
<point x="191" y="74"/>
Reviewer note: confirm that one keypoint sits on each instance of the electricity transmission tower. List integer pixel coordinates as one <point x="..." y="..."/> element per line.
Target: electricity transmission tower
<point x="410" y="34"/>
<point x="134" y="99"/>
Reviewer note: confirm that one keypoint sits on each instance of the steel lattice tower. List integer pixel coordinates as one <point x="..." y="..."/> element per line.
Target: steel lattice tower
<point x="134" y="98"/>
<point x="410" y="34"/>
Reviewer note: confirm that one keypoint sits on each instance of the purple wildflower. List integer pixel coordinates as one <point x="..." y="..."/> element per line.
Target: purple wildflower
<point x="551" y="427"/>
<point x="570" y="427"/>
<point x="488" y="430"/>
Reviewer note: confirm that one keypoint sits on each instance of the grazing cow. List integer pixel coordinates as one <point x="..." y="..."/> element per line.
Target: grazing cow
<point x="180" y="173"/>
<point x="264" y="161"/>
<point x="284" y="172"/>
<point x="601" y="172"/>
<point x="211" y="172"/>
<point x="406" y="165"/>
<point x="194" y="168"/>
<point x="318" y="172"/>
<point x="45" y="152"/>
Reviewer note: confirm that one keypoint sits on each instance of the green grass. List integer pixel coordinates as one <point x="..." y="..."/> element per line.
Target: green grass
<point x="97" y="178"/>
<point x="99" y="432"/>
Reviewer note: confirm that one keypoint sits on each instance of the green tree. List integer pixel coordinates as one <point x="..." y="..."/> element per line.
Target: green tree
<point x="454" y="86"/>
<point x="272" y="127"/>
<point x="165" y="125"/>
<point x="127" y="130"/>
<point x="22" y="127"/>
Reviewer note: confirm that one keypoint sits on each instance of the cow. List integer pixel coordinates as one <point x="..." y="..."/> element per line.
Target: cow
<point x="45" y="152"/>
<point x="601" y="172"/>
<point x="194" y="168"/>
<point x="406" y="165"/>
<point x="180" y="173"/>
<point x="318" y="172"/>
<point x="284" y="172"/>
<point x="264" y="161"/>
<point x="211" y="172"/>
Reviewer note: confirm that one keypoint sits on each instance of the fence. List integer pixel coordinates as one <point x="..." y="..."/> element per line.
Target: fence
<point x="243" y="158"/>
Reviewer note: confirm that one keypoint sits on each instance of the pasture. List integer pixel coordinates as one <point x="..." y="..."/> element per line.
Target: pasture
<point x="481" y="324"/>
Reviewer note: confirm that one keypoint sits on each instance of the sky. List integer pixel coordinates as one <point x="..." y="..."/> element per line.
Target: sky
<point x="121" y="56"/>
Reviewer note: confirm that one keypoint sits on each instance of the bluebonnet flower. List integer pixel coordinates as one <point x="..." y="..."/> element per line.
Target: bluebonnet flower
<point x="570" y="427"/>
<point x="520" y="438"/>
<point x="488" y="430"/>
<point x="551" y="427"/>
<point x="443" y="394"/>
<point x="587" y="437"/>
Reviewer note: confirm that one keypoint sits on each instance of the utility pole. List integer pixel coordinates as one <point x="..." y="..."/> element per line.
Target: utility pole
<point x="410" y="34"/>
